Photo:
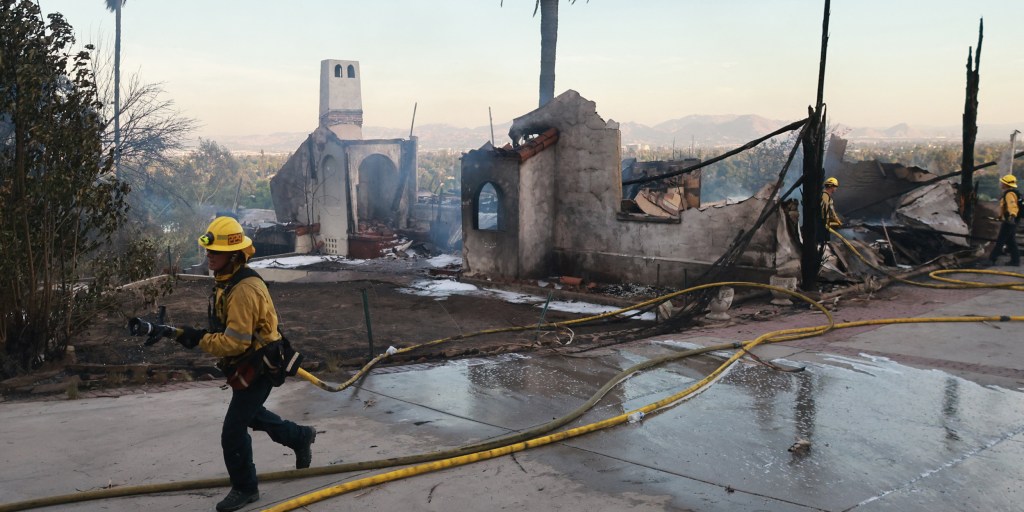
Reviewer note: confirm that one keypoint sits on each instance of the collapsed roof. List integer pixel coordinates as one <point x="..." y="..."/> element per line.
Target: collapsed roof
<point x="902" y="215"/>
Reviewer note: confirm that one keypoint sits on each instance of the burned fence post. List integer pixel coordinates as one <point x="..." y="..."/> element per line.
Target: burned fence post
<point x="369" y="326"/>
<point x="970" y="133"/>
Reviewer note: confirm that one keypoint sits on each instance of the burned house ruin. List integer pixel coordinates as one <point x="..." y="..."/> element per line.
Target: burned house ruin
<point x="552" y="204"/>
<point x="898" y="215"/>
<point x="339" y="193"/>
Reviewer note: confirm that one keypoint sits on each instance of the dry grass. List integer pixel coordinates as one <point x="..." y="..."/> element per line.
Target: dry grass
<point x="72" y="390"/>
<point x="182" y="376"/>
<point x="333" y="362"/>
<point x="139" y="376"/>
<point x="116" y="378"/>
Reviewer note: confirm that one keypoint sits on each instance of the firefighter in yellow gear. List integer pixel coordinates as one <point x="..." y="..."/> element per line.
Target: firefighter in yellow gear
<point x="828" y="206"/>
<point x="1009" y="215"/>
<point x="243" y="320"/>
<point x="829" y="217"/>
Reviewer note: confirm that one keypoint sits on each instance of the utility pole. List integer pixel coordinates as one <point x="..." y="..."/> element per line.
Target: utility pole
<point x="1013" y="149"/>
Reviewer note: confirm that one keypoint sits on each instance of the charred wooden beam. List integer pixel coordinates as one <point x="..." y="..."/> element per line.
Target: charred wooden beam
<point x="814" y="158"/>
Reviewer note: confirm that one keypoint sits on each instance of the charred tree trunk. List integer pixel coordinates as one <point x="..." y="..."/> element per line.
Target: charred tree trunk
<point x="814" y="157"/>
<point x="970" y="133"/>
<point x="810" y="259"/>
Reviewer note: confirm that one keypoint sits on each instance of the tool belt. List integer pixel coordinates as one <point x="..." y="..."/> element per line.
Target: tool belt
<point x="277" y="360"/>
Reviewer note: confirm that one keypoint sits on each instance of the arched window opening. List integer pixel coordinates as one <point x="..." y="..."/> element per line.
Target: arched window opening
<point x="375" y="189"/>
<point x="351" y="71"/>
<point x="337" y="71"/>
<point x="488" y="208"/>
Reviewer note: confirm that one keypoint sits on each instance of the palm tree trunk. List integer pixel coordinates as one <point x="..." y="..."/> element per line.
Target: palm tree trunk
<point x="548" y="42"/>
<point x="117" y="93"/>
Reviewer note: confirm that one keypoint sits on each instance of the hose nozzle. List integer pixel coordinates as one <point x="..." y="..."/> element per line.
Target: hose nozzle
<point x="153" y="332"/>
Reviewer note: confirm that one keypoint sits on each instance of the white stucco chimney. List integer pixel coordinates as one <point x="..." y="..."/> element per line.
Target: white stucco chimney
<point x="341" y="99"/>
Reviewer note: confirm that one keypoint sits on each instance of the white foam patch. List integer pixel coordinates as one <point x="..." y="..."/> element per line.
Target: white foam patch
<point x="880" y="364"/>
<point x="298" y="261"/>
<point x="442" y="288"/>
<point x="444" y="260"/>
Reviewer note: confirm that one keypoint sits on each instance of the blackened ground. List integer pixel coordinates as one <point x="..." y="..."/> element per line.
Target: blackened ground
<point x="324" y="321"/>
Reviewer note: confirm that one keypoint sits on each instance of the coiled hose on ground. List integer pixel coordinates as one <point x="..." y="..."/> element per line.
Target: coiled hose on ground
<point x="772" y="337"/>
<point x="521" y="440"/>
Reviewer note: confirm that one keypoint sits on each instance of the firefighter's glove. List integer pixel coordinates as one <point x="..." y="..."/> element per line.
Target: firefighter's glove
<point x="189" y="337"/>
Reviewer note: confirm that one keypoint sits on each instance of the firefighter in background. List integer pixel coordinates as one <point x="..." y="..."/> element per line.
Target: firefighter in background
<point x="243" y="320"/>
<point x="829" y="217"/>
<point x="1009" y="214"/>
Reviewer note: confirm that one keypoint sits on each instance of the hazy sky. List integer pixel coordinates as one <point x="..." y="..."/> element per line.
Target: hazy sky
<point x="252" y="66"/>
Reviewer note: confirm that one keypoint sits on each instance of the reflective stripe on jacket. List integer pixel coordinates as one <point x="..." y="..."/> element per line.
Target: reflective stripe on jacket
<point x="248" y="315"/>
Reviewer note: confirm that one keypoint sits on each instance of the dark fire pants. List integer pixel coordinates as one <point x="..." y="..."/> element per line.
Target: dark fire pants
<point x="1008" y="237"/>
<point x="246" y="411"/>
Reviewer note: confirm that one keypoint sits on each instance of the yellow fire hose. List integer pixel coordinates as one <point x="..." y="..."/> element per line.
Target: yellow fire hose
<point x="512" y="442"/>
<point x="392" y="351"/>
<point x="773" y="337"/>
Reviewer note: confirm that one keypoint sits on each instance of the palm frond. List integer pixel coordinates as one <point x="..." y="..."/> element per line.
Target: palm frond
<point x="112" y="5"/>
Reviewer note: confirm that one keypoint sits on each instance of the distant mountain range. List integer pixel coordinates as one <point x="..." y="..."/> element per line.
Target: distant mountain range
<point x="699" y="130"/>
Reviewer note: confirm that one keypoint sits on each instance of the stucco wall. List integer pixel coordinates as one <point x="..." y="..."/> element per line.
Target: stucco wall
<point x="317" y="184"/>
<point x="484" y="251"/>
<point x="589" y="239"/>
<point x="672" y="254"/>
<point x="288" y="188"/>
<point x="537" y="202"/>
<point x="402" y="154"/>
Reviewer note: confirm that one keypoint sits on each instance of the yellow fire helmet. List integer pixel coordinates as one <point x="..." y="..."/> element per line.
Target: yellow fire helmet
<point x="225" y="234"/>
<point x="831" y="182"/>
<point x="1009" y="180"/>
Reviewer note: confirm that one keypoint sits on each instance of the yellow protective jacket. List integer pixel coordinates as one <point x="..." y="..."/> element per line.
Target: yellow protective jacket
<point x="828" y="211"/>
<point x="1008" y="208"/>
<point x="248" y="316"/>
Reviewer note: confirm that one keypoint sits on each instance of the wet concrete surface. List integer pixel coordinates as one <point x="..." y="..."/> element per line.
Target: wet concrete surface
<point x="919" y="417"/>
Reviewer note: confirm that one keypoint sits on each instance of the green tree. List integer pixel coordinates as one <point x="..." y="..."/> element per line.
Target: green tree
<point x="61" y="199"/>
<point x="208" y="175"/>
<point x="437" y="168"/>
<point x="259" y="196"/>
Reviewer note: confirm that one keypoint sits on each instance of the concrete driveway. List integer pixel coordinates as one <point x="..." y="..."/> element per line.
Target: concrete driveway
<point x="915" y="417"/>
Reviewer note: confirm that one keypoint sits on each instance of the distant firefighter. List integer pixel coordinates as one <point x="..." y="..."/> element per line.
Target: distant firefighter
<point x="829" y="217"/>
<point x="1009" y="215"/>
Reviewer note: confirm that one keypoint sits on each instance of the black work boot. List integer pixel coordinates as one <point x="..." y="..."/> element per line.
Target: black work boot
<point x="237" y="499"/>
<point x="304" y="452"/>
